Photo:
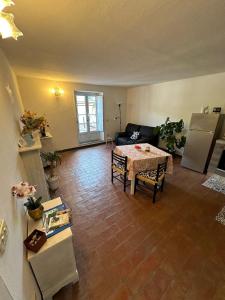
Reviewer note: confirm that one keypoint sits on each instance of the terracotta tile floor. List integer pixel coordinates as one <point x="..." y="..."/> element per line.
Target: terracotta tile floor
<point x="128" y="248"/>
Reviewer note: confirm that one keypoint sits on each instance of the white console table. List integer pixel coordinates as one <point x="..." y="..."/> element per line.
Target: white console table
<point x="54" y="265"/>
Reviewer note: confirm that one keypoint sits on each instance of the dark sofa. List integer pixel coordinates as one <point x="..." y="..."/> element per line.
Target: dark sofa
<point x="146" y="135"/>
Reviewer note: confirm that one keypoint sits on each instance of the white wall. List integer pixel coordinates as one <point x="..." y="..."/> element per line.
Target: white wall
<point x="61" y="112"/>
<point x="14" y="268"/>
<point x="151" y="104"/>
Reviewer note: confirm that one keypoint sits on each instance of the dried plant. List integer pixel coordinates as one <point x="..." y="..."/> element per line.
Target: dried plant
<point x="32" y="122"/>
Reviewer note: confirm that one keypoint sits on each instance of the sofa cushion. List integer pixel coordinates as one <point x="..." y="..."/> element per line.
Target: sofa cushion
<point x="131" y="128"/>
<point x="146" y="131"/>
<point x="135" y="135"/>
<point x="118" y="166"/>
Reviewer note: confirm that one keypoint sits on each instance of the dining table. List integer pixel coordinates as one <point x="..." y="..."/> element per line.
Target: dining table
<point x="143" y="157"/>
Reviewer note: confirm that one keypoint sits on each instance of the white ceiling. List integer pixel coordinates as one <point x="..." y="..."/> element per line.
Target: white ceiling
<point x="118" y="42"/>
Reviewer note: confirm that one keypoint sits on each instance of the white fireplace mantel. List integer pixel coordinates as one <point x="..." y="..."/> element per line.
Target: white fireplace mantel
<point x="34" y="167"/>
<point x="35" y="146"/>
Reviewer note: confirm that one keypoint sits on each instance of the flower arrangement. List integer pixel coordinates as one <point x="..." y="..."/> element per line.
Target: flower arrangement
<point x="23" y="189"/>
<point x="43" y="127"/>
<point x="33" y="205"/>
<point x="32" y="122"/>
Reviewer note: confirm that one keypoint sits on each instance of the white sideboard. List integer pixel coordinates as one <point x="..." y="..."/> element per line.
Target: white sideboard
<point x="34" y="167"/>
<point x="54" y="266"/>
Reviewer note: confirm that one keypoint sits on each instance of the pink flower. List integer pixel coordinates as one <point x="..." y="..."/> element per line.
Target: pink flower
<point x="23" y="189"/>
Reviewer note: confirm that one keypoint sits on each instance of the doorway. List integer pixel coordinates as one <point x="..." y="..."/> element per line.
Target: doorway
<point x="89" y="108"/>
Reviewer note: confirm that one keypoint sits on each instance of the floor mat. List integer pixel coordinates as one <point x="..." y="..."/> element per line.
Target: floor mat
<point x="216" y="183"/>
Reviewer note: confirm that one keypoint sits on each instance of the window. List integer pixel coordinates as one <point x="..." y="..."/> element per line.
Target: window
<point x="89" y="112"/>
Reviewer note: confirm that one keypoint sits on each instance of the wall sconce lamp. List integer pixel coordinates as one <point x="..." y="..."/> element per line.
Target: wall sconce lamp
<point x="57" y="91"/>
<point x="7" y="26"/>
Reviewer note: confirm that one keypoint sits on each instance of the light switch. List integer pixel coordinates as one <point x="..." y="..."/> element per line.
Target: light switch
<point x="3" y="235"/>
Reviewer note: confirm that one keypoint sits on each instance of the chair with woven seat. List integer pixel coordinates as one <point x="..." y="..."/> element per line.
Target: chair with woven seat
<point x="119" y="169"/>
<point x="154" y="177"/>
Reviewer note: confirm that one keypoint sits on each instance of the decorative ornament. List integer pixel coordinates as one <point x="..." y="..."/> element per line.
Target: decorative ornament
<point x="7" y="25"/>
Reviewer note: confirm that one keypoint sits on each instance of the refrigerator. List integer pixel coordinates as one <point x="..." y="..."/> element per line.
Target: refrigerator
<point x="203" y="131"/>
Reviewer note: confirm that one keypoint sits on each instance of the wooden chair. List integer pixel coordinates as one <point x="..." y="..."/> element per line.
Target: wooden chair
<point x="119" y="169"/>
<point x="154" y="177"/>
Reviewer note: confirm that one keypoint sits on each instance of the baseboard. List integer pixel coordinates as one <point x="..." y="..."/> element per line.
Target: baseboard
<point x="83" y="146"/>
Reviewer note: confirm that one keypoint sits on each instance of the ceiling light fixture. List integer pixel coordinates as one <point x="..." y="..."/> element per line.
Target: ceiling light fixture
<point x="5" y="3"/>
<point x="7" y="26"/>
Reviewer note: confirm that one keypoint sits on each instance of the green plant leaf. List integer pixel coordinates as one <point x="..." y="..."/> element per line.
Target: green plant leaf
<point x="33" y="203"/>
<point x="168" y="131"/>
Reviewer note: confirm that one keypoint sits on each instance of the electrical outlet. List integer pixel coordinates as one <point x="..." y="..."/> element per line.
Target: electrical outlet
<point x="3" y="235"/>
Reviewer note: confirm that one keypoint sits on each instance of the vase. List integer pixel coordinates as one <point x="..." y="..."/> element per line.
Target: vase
<point x="37" y="213"/>
<point x="28" y="137"/>
<point x="53" y="182"/>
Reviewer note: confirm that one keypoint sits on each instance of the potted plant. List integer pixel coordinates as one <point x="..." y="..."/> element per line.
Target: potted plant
<point x="34" y="207"/>
<point x="25" y="191"/>
<point x="170" y="132"/>
<point x="31" y="122"/>
<point x="53" y="158"/>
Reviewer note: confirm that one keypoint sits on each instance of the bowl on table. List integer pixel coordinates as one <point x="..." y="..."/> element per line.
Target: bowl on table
<point x="137" y="147"/>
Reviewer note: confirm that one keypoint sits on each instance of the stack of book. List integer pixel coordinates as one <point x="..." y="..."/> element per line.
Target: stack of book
<point x="56" y="219"/>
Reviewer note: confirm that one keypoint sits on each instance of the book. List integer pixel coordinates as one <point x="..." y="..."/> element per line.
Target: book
<point x="56" y="219"/>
